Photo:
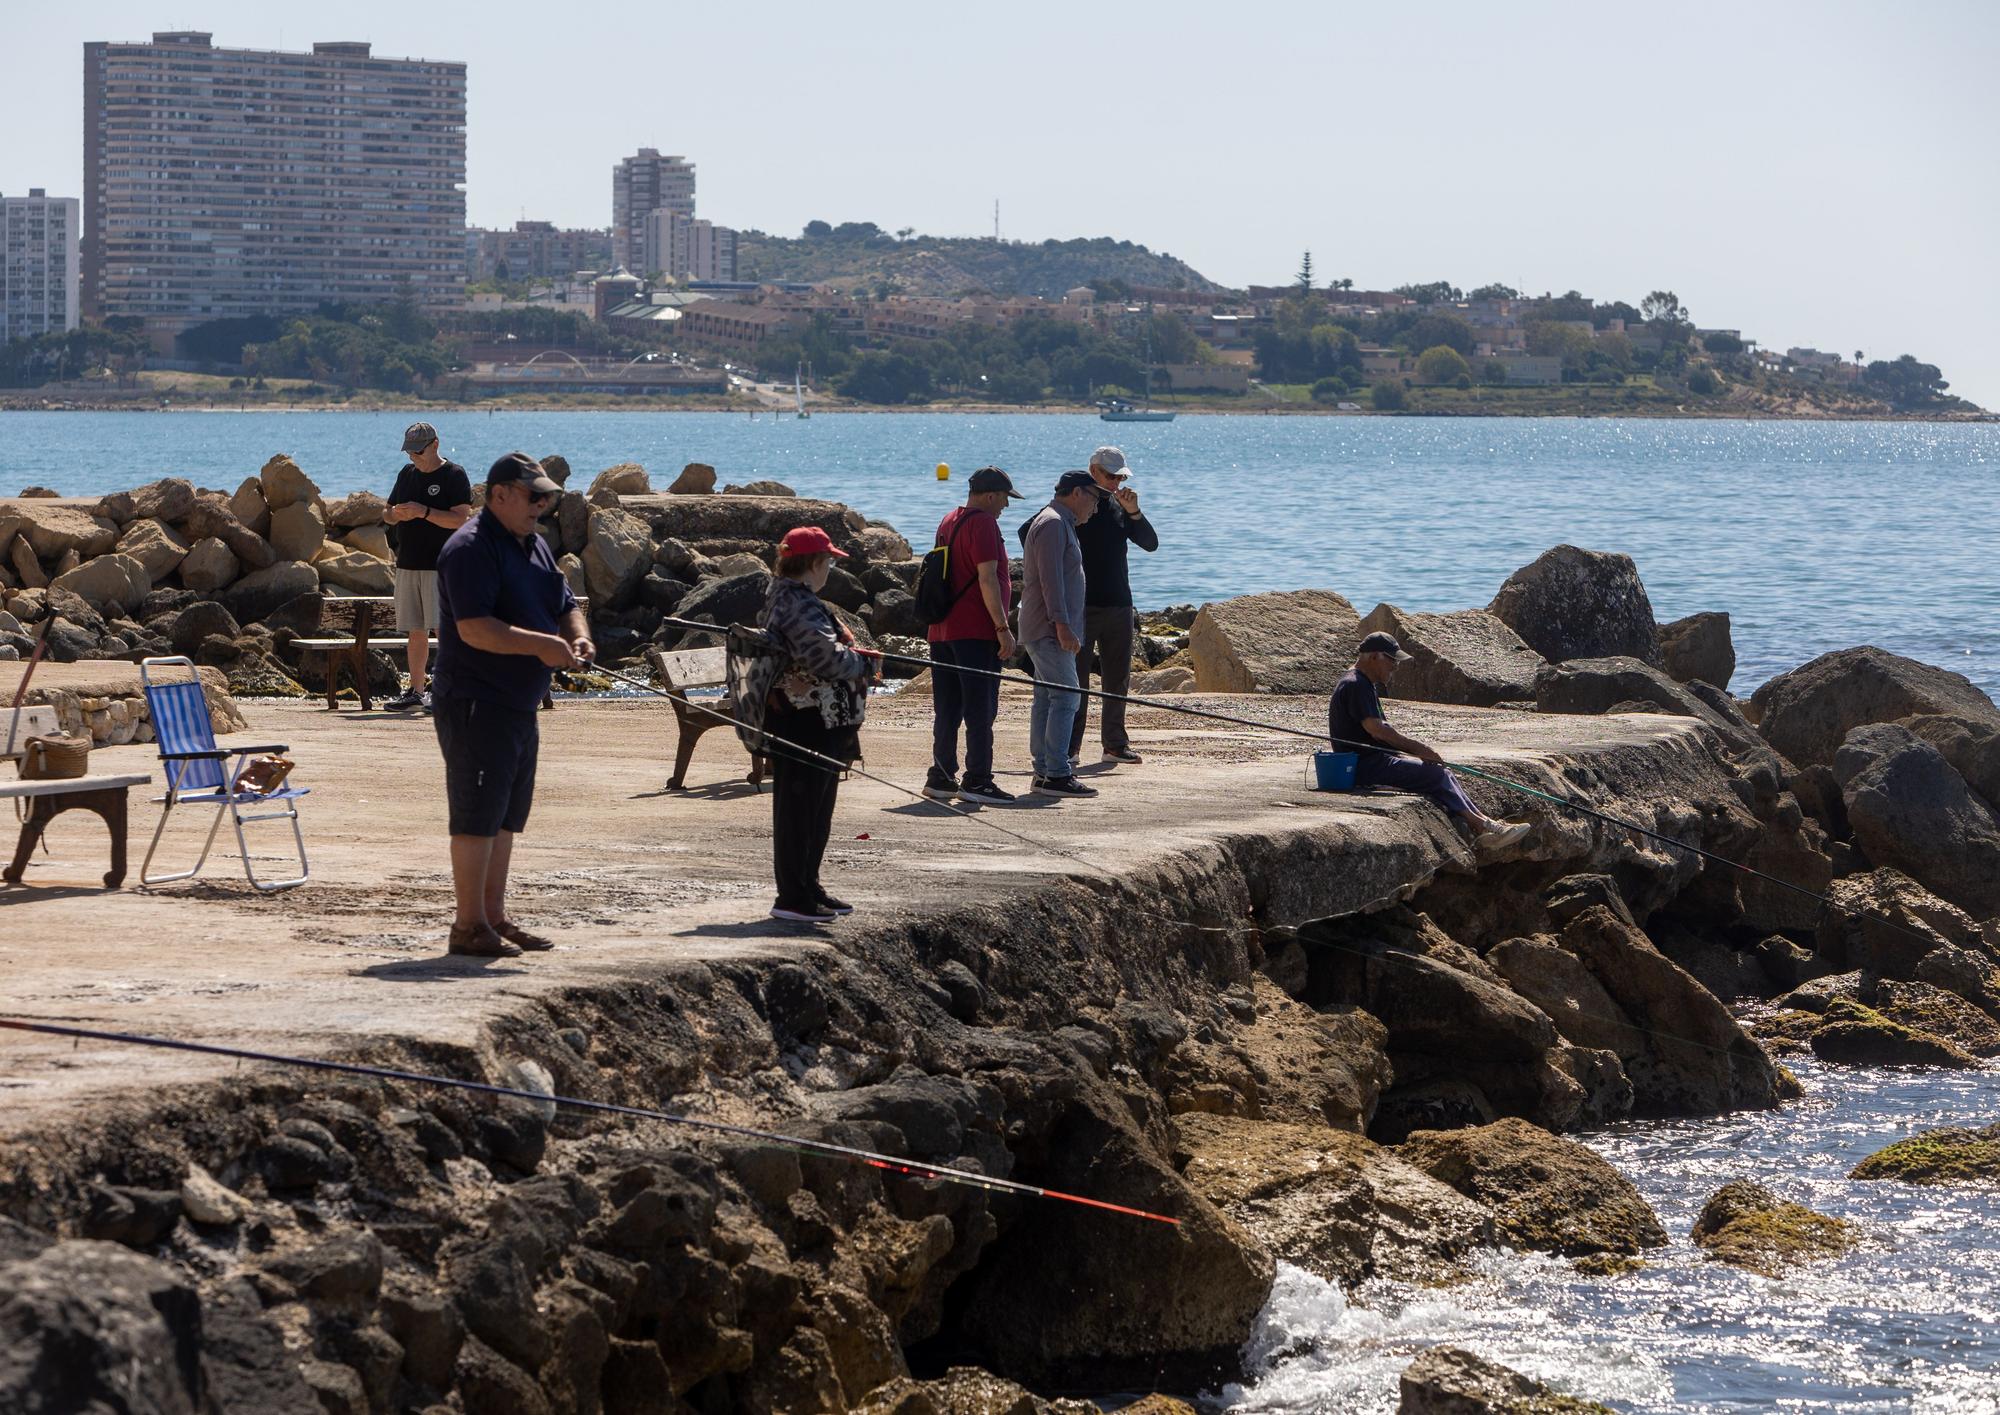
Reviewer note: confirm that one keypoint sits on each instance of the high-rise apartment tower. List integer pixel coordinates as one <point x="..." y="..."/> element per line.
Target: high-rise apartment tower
<point x="38" y="254"/>
<point x="227" y="182"/>
<point x="641" y="185"/>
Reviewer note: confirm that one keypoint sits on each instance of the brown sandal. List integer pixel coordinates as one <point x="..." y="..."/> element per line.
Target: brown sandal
<point x="480" y="941"/>
<point x="529" y="943"/>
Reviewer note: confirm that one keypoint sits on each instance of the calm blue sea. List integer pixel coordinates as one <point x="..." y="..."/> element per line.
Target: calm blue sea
<point x="1813" y="536"/>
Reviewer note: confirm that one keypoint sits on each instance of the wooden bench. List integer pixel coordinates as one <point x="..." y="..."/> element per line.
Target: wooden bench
<point x="351" y="653"/>
<point x="104" y="796"/>
<point x="697" y="668"/>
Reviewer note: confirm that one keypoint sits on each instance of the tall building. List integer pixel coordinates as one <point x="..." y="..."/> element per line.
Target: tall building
<point x="535" y="250"/>
<point x="229" y="182"/>
<point x="687" y="248"/>
<point x="640" y="185"/>
<point x="38" y="264"/>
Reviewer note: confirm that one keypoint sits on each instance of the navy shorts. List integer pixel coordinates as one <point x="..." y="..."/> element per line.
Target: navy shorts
<point x="489" y="764"/>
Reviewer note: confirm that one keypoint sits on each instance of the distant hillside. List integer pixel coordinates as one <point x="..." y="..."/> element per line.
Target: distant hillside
<point x="859" y="255"/>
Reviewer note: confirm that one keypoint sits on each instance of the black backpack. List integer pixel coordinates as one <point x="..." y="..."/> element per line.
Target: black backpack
<point x="935" y="600"/>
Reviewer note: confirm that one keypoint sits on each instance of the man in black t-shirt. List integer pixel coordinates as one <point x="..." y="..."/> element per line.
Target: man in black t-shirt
<point x="1355" y="723"/>
<point x="432" y="498"/>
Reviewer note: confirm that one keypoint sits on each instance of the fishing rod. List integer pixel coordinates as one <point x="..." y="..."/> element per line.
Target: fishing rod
<point x="917" y="1169"/>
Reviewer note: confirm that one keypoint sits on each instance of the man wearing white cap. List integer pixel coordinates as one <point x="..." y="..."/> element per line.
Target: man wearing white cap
<point x="1110" y="626"/>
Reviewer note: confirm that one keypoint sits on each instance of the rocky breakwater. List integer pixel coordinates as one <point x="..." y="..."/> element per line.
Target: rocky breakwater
<point x="232" y="579"/>
<point x="1346" y="1042"/>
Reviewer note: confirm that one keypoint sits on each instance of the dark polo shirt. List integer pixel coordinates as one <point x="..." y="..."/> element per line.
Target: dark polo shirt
<point x="486" y="573"/>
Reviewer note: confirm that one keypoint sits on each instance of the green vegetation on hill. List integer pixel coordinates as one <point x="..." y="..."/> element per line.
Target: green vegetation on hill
<point x="861" y="256"/>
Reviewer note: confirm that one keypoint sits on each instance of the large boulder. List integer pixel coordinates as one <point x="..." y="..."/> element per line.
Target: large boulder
<point x="1943" y="1012"/>
<point x="617" y="552"/>
<point x="1334" y="1203"/>
<point x="1970" y="744"/>
<point x="109" y="580"/>
<point x="1272" y="643"/>
<point x="167" y="499"/>
<point x="1449" y="1380"/>
<point x="1906" y="807"/>
<point x="1747" y="1226"/>
<point x="208" y="566"/>
<point x="199" y="622"/>
<point x="212" y="516"/>
<point x="738" y="600"/>
<point x="1808" y="713"/>
<point x="1600" y="685"/>
<point x="91" y="1326"/>
<point x="27" y="566"/>
<point x="356" y="571"/>
<point x="154" y="544"/>
<point x="283" y="484"/>
<point x="55" y="528"/>
<point x="1684" y="1052"/>
<point x="261" y="591"/>
<point x="1856" y="1035"/>
<point x="370" y="540"/>
<point x="1468" y="657"/>
<point x="356" y="509"/>
<point x="1698" y="649"/>
<point x="696" y="478"/>
<point x="1546" y="1193"/>
<point x="248" y="506"/>
<point x="1886" y="924"/>
<point x="626" y="479"/>
<point x="718" y="525"/>
<point x="1573" y="603"/>
<point x="881" y="545"/>
<point x="298" y="530"/>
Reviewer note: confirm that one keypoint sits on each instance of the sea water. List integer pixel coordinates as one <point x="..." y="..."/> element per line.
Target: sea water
<point x="1906" y="1322"/>
<point x="1812" y="535"/>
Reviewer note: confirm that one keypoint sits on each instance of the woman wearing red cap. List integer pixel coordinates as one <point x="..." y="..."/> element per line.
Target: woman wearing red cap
<point x="818" y="704"/>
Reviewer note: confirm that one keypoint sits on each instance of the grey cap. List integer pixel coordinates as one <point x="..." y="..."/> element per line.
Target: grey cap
<point x="418" y="436"/>
<point x="1112" y="460"/>
<point x="1379" y="642"/>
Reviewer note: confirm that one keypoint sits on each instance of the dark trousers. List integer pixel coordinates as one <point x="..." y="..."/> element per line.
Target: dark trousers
<point x="1108" y="632"/>
<point x="802" y="794"/>
<point x="971" y="699"/>
<point x="1409" y="774"/>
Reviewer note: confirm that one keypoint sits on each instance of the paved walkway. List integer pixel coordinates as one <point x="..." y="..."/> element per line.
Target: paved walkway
<point x="624" y="874"/>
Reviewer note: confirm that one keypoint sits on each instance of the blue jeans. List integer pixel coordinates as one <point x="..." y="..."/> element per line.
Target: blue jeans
<point x="1054" y="712"/>
<point x="1420" y="778"/>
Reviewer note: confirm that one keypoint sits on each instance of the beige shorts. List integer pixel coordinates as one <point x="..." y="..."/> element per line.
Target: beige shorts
<point x="416" y="600"/>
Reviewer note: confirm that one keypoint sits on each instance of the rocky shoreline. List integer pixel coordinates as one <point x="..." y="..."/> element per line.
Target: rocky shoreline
<point x="1360" y="1061"/>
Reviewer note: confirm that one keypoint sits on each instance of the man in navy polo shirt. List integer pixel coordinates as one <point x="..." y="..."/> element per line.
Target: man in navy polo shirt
<point x="506" y="618"/>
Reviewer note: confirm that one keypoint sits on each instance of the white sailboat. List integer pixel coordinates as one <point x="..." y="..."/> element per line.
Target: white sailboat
<point x="799" y="389"/>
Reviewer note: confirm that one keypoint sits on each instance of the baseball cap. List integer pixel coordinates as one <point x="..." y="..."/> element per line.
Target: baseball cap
<point x="809" y="540"/>
<point x="1384" y="643"/>
<point x="520" y="467"/>
<point x="418" y="436"/>
<point x="993" y="479"/>
<point x="1073" y="481"/>
<point x="1112" y="460"/>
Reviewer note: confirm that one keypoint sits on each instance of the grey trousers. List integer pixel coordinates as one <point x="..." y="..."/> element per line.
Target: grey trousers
<point x="1108" y="633"/>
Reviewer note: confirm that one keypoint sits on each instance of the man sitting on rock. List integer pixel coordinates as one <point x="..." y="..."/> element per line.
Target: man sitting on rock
<point x="1356" y="723"/>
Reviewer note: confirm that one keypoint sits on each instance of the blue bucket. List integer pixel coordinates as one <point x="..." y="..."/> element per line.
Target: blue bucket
<point x="1335" y="770"/>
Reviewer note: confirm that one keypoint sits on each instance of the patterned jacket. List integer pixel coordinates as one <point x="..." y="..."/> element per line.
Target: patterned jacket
<point x="825" y="672"/>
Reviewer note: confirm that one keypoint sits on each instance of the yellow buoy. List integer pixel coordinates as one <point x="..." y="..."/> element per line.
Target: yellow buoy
<point x="944" y="471"/>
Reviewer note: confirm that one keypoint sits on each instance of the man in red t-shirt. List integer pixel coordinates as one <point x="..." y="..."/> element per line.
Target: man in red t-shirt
<point x="973" y="635"/>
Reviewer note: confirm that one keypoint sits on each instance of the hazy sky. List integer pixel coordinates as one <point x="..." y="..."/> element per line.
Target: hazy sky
<point x="1821" y="174"/>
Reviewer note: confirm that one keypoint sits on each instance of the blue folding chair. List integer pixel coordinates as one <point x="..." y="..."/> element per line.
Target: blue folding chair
<point x="196" y="775"/>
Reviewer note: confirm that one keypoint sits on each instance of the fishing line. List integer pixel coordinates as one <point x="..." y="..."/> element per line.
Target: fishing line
<point x="918" y="1169"/>
<point x="1390" y="954"/>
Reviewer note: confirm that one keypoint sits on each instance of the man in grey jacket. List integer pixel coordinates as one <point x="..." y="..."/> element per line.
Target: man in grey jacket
<point x="1052" y="624"/>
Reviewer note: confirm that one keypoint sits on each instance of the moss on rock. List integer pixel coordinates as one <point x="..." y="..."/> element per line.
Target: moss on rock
<point x="1747" y="1226"/>
<point x="1850" y="1032"/>
<point x="1953" y="1155"/>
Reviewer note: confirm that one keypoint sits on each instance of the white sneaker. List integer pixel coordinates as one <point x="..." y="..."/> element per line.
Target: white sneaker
<point x="1504" y="834"/>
